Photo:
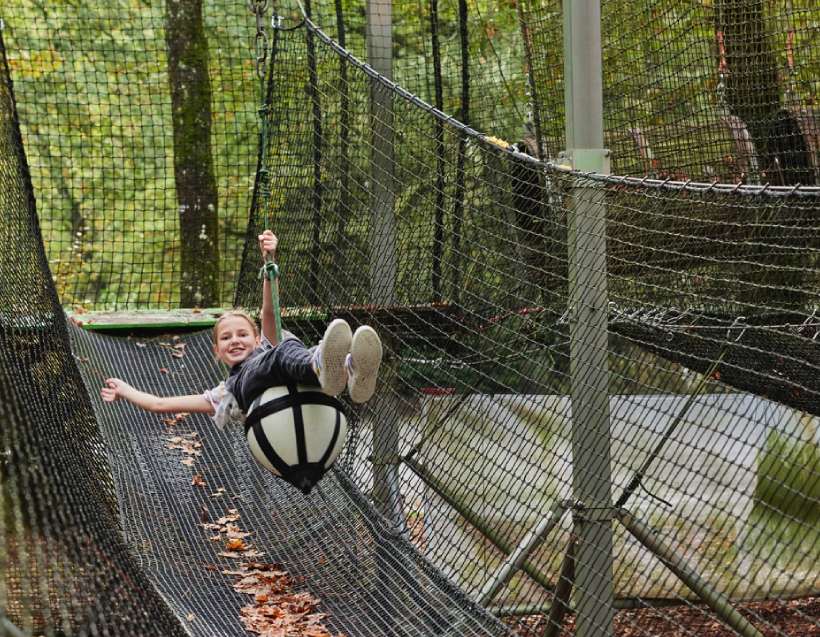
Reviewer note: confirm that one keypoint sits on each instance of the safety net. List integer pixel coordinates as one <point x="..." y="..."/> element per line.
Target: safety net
<point x="133" y="524"/>
<point x="427" y="197"/>
<point x="710" y="297"/>
<point x="66" y="568"/>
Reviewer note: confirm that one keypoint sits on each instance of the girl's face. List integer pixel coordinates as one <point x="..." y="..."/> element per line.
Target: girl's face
<point x="235" y="340"/>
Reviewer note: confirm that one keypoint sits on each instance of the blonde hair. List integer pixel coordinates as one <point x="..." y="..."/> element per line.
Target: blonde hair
<point x="233" y="313"/>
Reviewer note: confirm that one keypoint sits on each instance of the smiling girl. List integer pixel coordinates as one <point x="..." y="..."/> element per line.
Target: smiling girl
<point x="257" y="362"/>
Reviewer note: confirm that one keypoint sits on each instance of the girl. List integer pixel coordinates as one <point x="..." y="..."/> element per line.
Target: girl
<point x="257" y="362"/>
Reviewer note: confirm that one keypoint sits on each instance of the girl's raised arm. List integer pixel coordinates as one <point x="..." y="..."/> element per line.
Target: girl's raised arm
<point x="267" y="245"/>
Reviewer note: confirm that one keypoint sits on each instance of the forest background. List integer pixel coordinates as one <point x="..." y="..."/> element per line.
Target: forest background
<point x="141" y="123"/>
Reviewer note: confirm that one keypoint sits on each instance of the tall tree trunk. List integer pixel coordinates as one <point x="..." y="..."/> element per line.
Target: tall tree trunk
<point x="755" y="95"/>
<point x="193" y="164"/>
<point x="754" y="92"/>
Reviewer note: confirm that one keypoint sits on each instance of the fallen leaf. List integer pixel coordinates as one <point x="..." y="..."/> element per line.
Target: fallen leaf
<point x="198" y="480"/>
<point x="236" y="544"/>
<point x="233" y="531"/>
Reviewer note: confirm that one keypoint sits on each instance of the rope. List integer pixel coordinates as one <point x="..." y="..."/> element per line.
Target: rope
<point x="264" y="69"/>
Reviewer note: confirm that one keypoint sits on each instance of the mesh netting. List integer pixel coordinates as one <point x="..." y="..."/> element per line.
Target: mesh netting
<point x="369" y="580"/>
<point x="462" y="249"/>
<point x="142" y="553"/>
<point x="64" y="566"/>
<point x="712" y="297"/>
<point x="125" y="161"/>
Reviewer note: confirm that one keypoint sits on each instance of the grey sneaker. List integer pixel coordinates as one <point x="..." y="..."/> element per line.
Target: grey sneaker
<point x="363" y="364"/>
<point x="329" y="357"/>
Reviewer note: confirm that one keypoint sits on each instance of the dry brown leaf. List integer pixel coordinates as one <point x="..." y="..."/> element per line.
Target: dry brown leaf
<point x="232" y="516"/>
<point x="236" y="544"/>
<point x="198" y="480"/>
<point x="233" y="531"/>
<point x="277" y="610"/>
<point x="186" y="443"/>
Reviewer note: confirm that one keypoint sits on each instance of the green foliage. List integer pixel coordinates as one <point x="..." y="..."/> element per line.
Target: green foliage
<point x="788" y="477"/>
<point x="91" y="82"/>
<point x="92" y="88"/>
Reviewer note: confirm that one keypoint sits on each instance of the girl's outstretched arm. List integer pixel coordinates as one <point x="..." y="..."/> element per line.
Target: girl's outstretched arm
<point x="116" y="389"/>
<point x="267" y="245"/>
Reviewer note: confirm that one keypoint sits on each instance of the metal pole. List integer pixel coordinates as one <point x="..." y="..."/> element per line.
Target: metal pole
<point x="382" y="245"/>
<point x="382" y="189"/>
<point x="514" y="560"/>
<point x="687" y="575"/>
<point x="563" y="590"/>
<point x="386" y="484"/>
<point x="592" y="483"/>
<point x="475" y="520"/>
<point x="623" y="603"/>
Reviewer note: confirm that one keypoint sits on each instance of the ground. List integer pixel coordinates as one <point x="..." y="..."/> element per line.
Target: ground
<point x="793" y="618"/>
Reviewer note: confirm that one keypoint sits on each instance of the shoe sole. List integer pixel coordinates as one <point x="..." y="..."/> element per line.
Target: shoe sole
<point x="366" y="352"/>
<point x="336" y="343"/>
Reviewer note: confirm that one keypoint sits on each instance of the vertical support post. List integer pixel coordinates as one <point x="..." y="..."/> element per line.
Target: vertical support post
<point x="383" y="239"/>
<point x="386" y="496"/>
<point x="318" y="141"/>
<point x="588" y="321"/>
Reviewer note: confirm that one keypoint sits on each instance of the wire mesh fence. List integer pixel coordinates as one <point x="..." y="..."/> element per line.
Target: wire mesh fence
<point x="712" y="290"/>
<point x="427" y="206"/>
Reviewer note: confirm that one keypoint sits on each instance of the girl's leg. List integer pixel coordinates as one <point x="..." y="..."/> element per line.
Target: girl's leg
<point x="292" y="361"/>
<point x="322" y="366"/>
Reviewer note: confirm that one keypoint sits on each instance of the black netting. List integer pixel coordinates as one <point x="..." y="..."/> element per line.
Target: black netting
<point x="434" y="206"/>
<point x="125" y="160"/>
<point x="711" y="300"/>
<point x="65" y="568"/>
<point x="369" y="580"/>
